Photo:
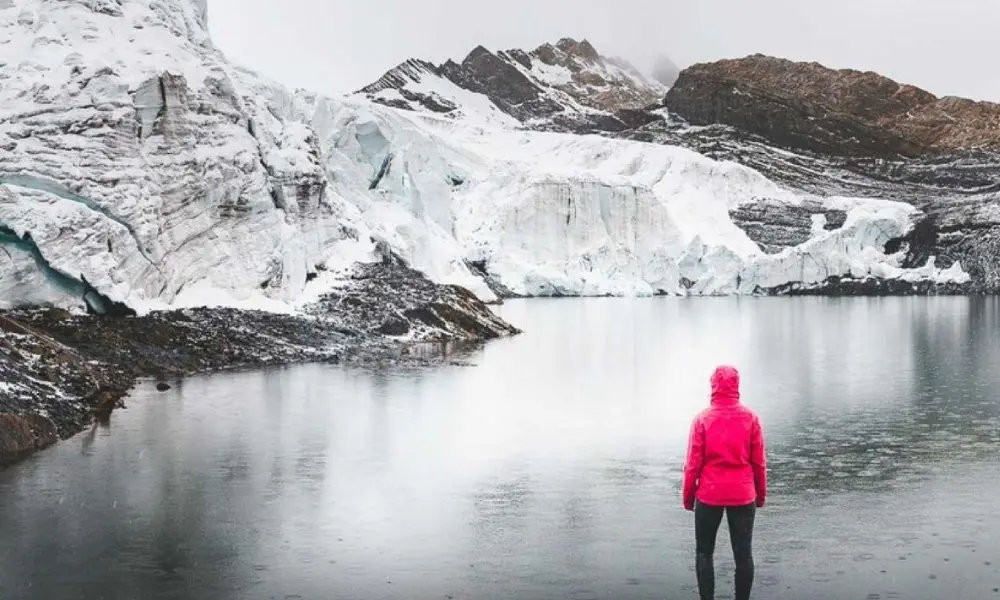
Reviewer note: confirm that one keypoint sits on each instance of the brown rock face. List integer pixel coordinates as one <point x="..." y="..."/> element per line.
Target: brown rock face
<point x="845" y="112"/>
<point x="600" y="82"/>
<point x="21" y="434"/>
<point x="583" y="49"/>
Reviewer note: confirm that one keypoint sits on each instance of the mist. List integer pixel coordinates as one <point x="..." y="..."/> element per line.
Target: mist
<point x="339" y="46"/>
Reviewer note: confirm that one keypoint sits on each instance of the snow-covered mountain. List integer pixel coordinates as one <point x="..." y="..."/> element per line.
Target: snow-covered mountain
<point x="140" y="168"/>
<point x="568" y="85"/>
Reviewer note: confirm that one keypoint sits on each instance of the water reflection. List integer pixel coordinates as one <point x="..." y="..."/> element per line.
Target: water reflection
<point x="549" y="470"/>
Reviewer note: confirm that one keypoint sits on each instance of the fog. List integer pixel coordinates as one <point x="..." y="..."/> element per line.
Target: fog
<point x="340" y="45"/>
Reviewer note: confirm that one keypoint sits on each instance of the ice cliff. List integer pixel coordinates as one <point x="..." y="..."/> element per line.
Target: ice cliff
<point x="140" y="169"/>
<point x="561" y="214"/>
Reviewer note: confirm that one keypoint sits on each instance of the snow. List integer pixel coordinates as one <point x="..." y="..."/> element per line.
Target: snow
<point x="565" y="214"/>
<point x="953" y="274"/>
<point x="139" y="159"/>
<point x="853" y="250"/>
<point x="203" y="294"/>
<point x="390" y="94"/>
<point x="476" y="108"/>
<point x="551" y="74"/>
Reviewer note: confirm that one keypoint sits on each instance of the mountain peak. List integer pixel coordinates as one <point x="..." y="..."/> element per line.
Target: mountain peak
<point x="583" y="49"/>
<point x="477" y="53"/>
<point x="568" y="82"/>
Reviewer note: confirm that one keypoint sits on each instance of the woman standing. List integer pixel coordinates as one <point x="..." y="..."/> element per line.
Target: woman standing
<point x="725" y="472"/>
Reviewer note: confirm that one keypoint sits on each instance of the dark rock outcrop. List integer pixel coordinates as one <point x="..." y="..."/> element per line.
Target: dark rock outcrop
<point x="775" y="226"/>
<point x="411" y="71"/>
<point x="815" y="130"/>
<point x="481" y="268"/>
<point x="60" y="371"/>
<point x="553" y="85"/>
<point x="845" y="113"/>
<point x="848" y="133"/>
<point x="392" y="299"/>
<point x="497" y="78"/>
<point x="23" y="434"/>
<point x="869" y="286"/>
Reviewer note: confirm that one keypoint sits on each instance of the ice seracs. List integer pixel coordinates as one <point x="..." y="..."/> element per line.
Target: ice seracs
<point x="139" y="167"/>
<point x="138" y="160"/>
<point x="560" y="214"/>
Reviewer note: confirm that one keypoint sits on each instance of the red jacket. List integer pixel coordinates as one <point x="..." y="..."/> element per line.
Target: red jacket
<point x="726" y="464"/>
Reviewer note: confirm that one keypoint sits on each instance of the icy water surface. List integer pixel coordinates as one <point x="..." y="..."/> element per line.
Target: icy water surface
<point x="551" y="469"/>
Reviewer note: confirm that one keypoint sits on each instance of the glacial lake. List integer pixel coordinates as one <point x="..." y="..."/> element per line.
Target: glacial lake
<point x="548" y="469"/>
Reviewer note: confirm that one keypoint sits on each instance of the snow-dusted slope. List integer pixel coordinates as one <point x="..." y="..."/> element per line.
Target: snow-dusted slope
<point x="139" y="166"/>
<point x="564" y="84"/>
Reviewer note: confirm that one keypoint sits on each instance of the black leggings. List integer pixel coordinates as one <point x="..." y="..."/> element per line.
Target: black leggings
<point x="706" y="525"/>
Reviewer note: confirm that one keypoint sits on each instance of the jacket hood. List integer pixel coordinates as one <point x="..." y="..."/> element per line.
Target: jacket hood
<point x="725" y="386"/>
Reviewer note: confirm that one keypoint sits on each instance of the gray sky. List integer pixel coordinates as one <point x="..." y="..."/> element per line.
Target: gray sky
<point x="950" y="47"/>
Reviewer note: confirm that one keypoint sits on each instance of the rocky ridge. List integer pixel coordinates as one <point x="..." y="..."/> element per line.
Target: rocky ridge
<point x="560" y="86"/>
<point x="840" y="112"/>
<point x="857" y="134"/>
<point x="817" y="131"/>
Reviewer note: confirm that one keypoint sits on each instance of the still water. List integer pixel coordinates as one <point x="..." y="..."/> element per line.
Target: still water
<point x="549" y="469"/>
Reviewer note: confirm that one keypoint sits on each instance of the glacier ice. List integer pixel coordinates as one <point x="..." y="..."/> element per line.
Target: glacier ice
<point x="140" y="161"/>
<point x="560" y="214"/>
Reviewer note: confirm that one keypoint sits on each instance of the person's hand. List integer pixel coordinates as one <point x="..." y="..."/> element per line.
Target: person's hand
<point x="760" y="503"/>
<point x="689" y="506"/>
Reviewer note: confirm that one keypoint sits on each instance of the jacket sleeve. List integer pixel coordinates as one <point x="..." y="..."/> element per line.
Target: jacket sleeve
<point x="758" y="460"/>
<point x="693" y="464"/>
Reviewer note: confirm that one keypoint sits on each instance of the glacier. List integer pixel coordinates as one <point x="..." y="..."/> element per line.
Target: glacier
<point x="563" y="214"/>
<point x="139" y="166"/>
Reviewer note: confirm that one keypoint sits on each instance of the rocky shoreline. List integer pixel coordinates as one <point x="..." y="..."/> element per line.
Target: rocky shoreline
<point x="871" y="287"/>
<point x="61" y="371"/>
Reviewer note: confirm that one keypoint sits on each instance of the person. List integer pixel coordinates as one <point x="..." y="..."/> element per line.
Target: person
<point x="725" y="472"/>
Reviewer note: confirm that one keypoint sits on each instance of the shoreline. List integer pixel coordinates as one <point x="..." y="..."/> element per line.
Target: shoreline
<point x="60" y="372"/>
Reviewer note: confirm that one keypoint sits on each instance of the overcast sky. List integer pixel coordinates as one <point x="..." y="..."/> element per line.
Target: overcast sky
<point x="950" y="47"/>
